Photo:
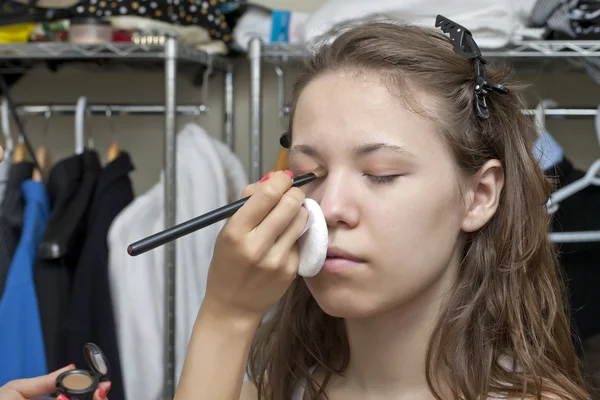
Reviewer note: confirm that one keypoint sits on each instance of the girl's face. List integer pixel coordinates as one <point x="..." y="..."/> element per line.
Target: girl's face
<point x="391" y="197"/>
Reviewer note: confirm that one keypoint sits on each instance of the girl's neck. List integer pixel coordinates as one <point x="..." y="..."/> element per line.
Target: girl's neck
<point x="388" y="351"/>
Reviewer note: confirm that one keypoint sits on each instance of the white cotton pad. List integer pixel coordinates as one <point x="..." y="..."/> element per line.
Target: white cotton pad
<point x="314" y="241"/>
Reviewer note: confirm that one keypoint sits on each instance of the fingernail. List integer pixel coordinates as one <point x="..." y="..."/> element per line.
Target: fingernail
<point x="62" y="397"/>
<point x="101" y="393"/>
<point x="287" y="171"/>
<point x="267" y="176"/>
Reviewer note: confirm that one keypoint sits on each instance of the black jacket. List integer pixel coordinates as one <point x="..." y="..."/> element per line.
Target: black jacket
<point x="70" y="186"/>
<point x="89" y="316"/>
<point x="580" y="261"/>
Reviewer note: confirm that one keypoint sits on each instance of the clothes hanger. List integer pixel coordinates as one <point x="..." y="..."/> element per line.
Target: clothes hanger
<point x="42" y="155"/>
<point x="19" y="152"/>
<point x="547" y="150"/>
<point x="590" y="178"/>
<point x="80" y="112"/>
<point x="540" y="115"/>
<point x="5" y="126"/>
<point x="113" y="149"/>
<point x="23" y="139"/>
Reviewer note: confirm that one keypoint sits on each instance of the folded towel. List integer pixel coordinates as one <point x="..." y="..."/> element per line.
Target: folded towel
<point x="271" y="26"/>
<point x="314" y="241"/>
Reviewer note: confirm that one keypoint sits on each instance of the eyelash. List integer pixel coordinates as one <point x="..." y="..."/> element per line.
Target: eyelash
<point x="383" y="179"/>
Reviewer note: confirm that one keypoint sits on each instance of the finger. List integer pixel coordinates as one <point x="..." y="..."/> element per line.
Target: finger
<point x="102" y="391"/>
<point x="280" y="217"/>
<point x="281" y="254"/>
<point x="38" y="386"/>
<point x="105" y="386"/>
<point x="265" y="197"/>
<point x="249" y="190"/>
<point x="292" y="232"/>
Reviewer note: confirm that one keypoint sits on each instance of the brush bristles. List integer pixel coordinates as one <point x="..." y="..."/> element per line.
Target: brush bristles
<point x="320" y="172"/>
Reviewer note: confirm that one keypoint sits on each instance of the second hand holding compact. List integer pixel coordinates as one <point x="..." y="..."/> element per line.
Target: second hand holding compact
<point x="212" y="217"/>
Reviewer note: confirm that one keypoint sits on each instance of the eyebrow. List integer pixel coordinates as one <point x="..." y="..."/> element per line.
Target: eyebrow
<point x="359" y="150"/>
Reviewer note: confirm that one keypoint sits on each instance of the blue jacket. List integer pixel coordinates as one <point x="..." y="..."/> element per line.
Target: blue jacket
<point x="22" y="353"/>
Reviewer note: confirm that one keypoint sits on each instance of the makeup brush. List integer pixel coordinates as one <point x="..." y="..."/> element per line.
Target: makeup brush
<point x="195" y="224"/>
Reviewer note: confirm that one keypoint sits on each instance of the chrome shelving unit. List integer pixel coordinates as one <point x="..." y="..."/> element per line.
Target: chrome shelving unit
<point x="120" y="51"/>
<point x="171" y="54"/>
<point x="535" y="51"/>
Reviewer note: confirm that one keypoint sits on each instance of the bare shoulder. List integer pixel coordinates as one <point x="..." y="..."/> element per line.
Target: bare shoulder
<point x="249" y="391"/>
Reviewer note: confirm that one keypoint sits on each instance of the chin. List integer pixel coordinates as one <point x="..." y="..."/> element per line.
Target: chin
<point x="343" y="300"/>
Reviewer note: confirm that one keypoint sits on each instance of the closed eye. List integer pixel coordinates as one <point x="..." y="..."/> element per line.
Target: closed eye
<point x="382" y="179"/>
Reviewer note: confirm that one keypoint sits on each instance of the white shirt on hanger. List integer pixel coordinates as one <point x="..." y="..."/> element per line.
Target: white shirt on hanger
<point x="208" y="177"/>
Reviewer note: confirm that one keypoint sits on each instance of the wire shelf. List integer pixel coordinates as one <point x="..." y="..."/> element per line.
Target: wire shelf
<point x="114" y="51"/>
<point x="548" y="48"/>
<point x="280" y="52"/>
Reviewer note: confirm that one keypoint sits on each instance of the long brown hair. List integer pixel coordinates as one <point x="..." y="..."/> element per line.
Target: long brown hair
<point x="508" y="300"/>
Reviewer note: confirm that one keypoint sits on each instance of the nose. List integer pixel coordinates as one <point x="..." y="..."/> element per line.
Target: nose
<point x="338" y="201"/>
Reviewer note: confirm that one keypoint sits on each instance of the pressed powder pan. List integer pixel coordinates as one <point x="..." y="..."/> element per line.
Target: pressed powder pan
<point x="80" y="384"/>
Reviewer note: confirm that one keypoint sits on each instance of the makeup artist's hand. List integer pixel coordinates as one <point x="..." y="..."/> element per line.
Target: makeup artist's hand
<point x="26" y="389"/>
<point x="256" y="256"/>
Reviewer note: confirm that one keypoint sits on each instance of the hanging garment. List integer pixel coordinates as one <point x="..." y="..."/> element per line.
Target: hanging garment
<point x="71" y="186"/>
<point x="11" y="216"/>
<point x="580" y="261"/>
<point x="21" y="341"/>
<point x="204" y="172"/>
<point x="89" y="315"/>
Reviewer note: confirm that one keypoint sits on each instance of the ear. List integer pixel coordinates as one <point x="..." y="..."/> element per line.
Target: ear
<point x="485" y="187"/>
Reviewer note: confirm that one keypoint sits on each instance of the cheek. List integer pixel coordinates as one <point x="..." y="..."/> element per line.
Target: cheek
<point x="414" y="238"/>
<point x="418" y="209"/>
<point x="409" y="234"/>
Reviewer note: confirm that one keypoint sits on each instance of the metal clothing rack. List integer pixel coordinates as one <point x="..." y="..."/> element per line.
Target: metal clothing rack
<point x="171" y="53"/>
<point x="280" y="54"/>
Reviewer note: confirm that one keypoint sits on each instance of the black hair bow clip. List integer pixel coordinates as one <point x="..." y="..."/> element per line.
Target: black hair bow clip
<point x="465" y="45"/>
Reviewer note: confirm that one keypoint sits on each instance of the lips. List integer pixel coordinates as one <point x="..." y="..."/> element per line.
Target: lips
<point x="339" y="261"/>
<point x="334" y="252"/>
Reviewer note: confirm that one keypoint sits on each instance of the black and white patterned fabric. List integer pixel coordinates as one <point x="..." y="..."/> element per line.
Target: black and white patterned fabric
<point x="570" y="20"/>
<point x="207" y="14"/>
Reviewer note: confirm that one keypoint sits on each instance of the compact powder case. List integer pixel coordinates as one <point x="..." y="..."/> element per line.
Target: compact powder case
<point x="80" y="384"/>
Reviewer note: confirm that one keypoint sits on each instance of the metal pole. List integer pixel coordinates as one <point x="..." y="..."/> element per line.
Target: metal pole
<point x="255" y="109"/>
<point x="171" y="52"/>
<point x="229" y="127"/>
<point x="558" y="113"/>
